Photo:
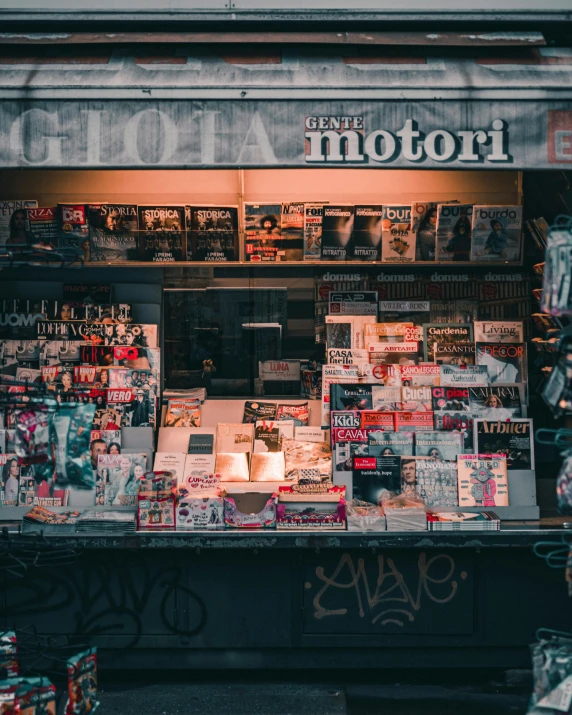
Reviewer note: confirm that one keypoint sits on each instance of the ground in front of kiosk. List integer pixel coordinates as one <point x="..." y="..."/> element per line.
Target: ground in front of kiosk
<point x="365" y="697"/>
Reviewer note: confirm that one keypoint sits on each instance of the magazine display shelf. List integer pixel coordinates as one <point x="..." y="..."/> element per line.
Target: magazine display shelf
<point x="297" y="264"/>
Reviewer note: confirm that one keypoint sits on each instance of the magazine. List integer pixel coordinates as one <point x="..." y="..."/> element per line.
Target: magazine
<point x="337" y="356"/>
<point x="499" y="331"/>
<point x="267" y="437"/>
<point x="452" y="375"/>
<point x="313" y="232"/>
<point x="43" y="226"/>
<point x="334" y="374"/>
<point x="482" y="480"/>
<point x="88" y="292"/>
<point x="173" y="462"/>
<point x="13" y="221"/>
<point x="514" y="439"/>
<point x="382" y="444"/>
<point x="120" y="475"/>
<point x="414" y="421"/>
<point x="365" y="242"/>
<point x="443" y="333"/>
<point x="497" y="234"/>
<point x="385" y="333"/>
<point x="436" y="481"/>
<point x="424" y="226"/>
<point x="113" y="232"/>
<point x="457" y="420"/>
<point x="74" y="228"/>
<point x="162" y="233"/>
<point x="263" y="231"/>
<point x="416" y="312"/>
<point x="139" y="405"/>
<point x="337" y="228"/>
<point x="183" y="413"/>
<point x="454" y="353"/>
<point x="353" y="303"/>
<point x="372" y="476"/>
<point x="132" y="334"/>
<point x="10" y="480"/>
<point x="506" y="363"/>
<point x="351" y="397"/>
<point x="450" y="398"/>
<point x="293" y="231"/>
<point x="454" y="232"/>
<point x="416" y="375"/>
<point x="400" y="354"/>
<point x="416" y="399"/>
<point x="386" y="399"/>
<point x="497" y="402"/>
<point x="398" y="239"/>
<point x="234" y="437"/>
<point x="439" y="445"/>
<point x="213" y="235"/>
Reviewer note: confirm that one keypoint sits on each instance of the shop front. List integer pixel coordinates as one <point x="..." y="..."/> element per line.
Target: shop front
<point x="238" y="269"/>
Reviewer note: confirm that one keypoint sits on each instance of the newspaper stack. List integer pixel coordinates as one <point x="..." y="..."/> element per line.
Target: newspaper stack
<point x="199" y="393"/>
<point x="112" y="521"/>
<point x="39" y="519"/>
<point x="463" y="521"/>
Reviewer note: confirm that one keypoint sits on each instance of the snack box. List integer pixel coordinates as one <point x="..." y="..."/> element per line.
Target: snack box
<point x="200" y="513"/>
<point x="156" y="513"/>
<point x="250" y="510"/>
<point x="325" y="511"/>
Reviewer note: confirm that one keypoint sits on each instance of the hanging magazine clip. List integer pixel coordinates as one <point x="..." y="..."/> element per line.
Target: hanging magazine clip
<point x="561" y="438"/>
<point x="556" y="297"/>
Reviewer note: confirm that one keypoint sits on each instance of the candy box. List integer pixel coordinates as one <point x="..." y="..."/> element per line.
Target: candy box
<point x="319" y="511"/>
<point x="250" y="510"/>
<point x="156" y="512"/>
<point x="200" y="513"/>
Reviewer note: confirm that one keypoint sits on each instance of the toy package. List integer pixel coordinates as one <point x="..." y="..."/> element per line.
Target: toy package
<point x="82" y="683"/>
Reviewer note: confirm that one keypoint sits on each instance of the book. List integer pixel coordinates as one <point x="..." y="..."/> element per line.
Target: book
<point x="308" y="434"/>
<point x="424" y="226"/>
<point x="497" y="234"/>
<point x="497" y="402"/>
<point x="454" y="353"/>
<point x="458" y="420"/>
<point x="183" y="413"/>
<point x="450" y="398"/>
<point x="254" y="411"/>
<point x="173" y="462"/>
<point x="234" y="437"/>
<point x="267" y="467"/>
<point x="416" y="399"/>
<point x="74" y="229"/>
<point x="482" y="480"/>
<point x="232" y="467"/>
<point x="414" y="421"/>
<point x="292" y="218"/>
<point x="120" y="475"/>
<point x="372" y="476"/>
<point x="513" y="438"/>
<point x="267" y="436"/>
<point x="436" y="482"/>
<point x="454" y="232"/>
<point x="444" y="445"/>
<point x="382" y="444"/>
<point x="113" y="232"/>
<point x="43" y="226"/>
<point x="365" y="242"/>
<point x="262" y="232"/>
<point x="506" y="363"/>
<point x="434" y="333"/>
<point x="201" y="442"/>
<point x="213" y="234"/>
<point x="162" y="233"/>
<point x="313" y="232"/>
<point x="452" y="375"/>
<point x="13" y="221"/>
<point x="337" y="228"/>
<point x="398" y="239"/>
<point x="499" y="331"/>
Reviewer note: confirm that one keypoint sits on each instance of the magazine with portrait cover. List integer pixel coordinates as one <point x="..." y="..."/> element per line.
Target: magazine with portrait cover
<point x="162" y="237"/>
<point x="444" y="333"/>
<point x="457" y="420"/>
<point x="372" y="476"/>
<point x="497" y="234"/>
<point x="263" y="232"/>
<point x="213" y="234"/>
<point x="506" y="362"/>
<point x="10" y="480"/>
<point x="514" y="439"/>
<point x="397" y="239"/>
<point x="74" y="228"/>
<point x="365" y="242"/>
<point x="337" y="228"/>
<point x="454" y="232"/>
<point x="13" y="220"/>
<point x="113" y="232"/>
<point x="497" y="402"/>
<point x="436" y="481"/>
<point x="482" y="480"/>
<point x="139" y="405"/>
<point x="439" y="444"/>
<point x="43" y="226"/>
<point x="313" y="231"/>
<point x="382" y="444"/>
<point x="424" y="226"/>
<point x="454" y="353"/>
<point x="499" y="331"/>
<point x="109" y="436"/>
<point x="120" y="474"/>
<point x="114" y="334"/>
<point x="293" y="231"/>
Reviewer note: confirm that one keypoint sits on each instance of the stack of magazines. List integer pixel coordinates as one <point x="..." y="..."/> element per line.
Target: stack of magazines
<point x="463" y="521"/>
<point x="113" y="521"/>
<point x="40" y="519"/>
<point x="199" y="393"/>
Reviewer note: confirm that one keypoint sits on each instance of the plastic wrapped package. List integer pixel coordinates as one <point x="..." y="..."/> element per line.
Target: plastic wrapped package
<point x="363" y="516"/>
<point x="552" y="674"/>
<point x="405" y="512"/>
<point x="307" y="461"/>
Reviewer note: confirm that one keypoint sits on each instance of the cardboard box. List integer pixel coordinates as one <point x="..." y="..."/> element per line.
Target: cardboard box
<point x="156" y="513"/>
<point x="250" y="510"/>
<point x="320" y="512"/>
<point x="200" y="513"/>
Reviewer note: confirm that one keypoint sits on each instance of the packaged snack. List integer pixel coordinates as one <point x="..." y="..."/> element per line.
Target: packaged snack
<point x="82" y="683"/>
<point x="8" y="655"/>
